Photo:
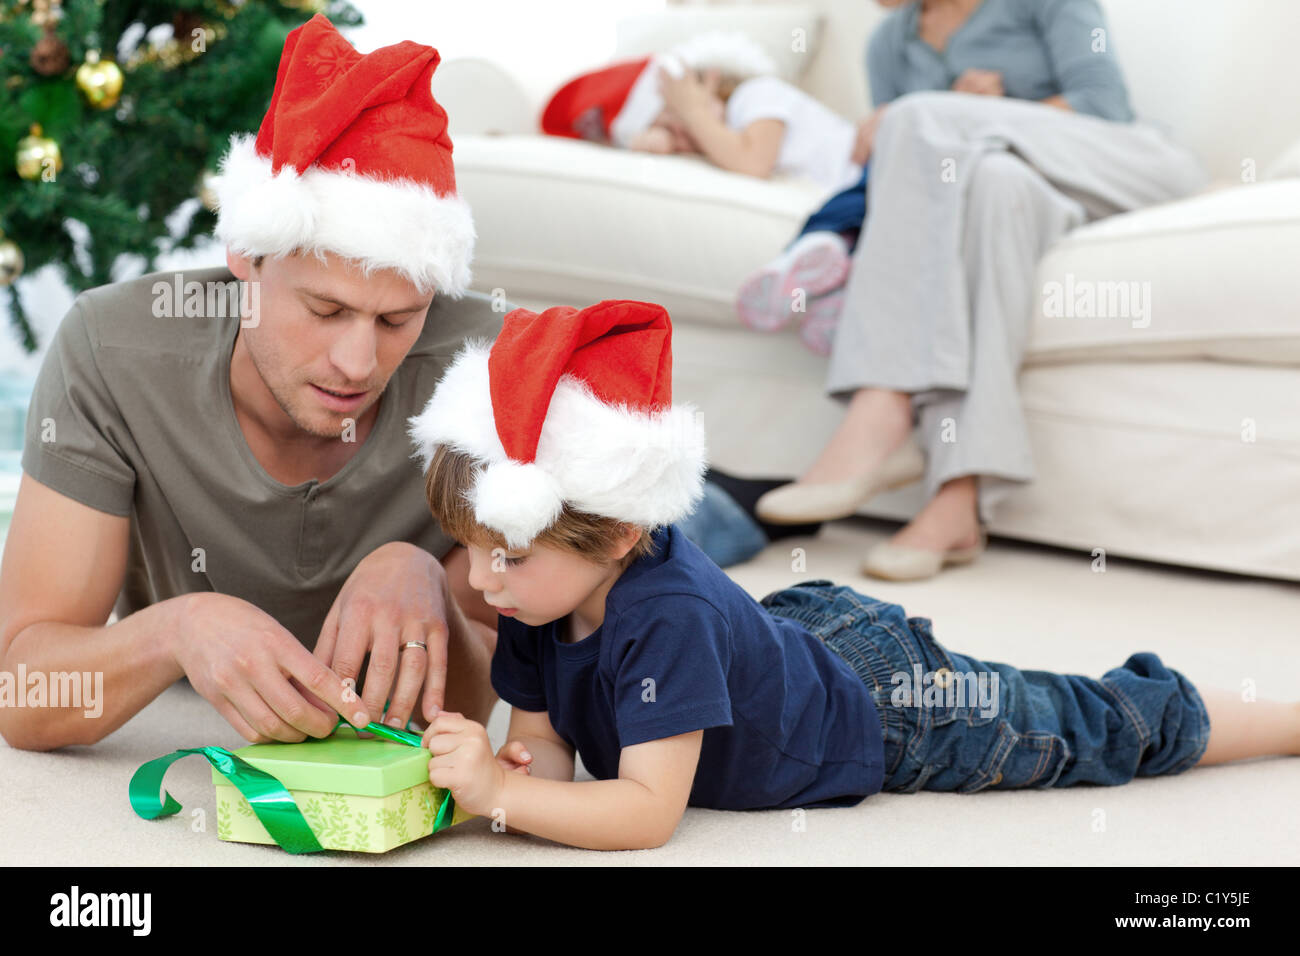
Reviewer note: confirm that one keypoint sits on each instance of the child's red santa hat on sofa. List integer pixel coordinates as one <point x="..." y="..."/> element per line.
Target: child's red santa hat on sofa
<point x="353" y="158"/>
<point x="617" y="102"/>
<point x="570" y="407"/>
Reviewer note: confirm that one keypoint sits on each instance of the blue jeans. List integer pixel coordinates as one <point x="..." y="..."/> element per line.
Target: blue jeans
<point x="952" y="722"/>
<point x="844" y="212"/>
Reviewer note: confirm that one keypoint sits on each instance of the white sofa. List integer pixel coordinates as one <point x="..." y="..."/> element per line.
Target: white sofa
<point x="1177" y="441"/>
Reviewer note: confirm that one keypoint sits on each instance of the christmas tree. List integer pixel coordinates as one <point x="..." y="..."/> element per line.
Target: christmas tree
<point x="110" y="121"/>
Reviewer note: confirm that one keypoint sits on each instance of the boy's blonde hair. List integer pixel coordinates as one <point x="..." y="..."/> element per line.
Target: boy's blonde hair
<point x="447" y="485"/>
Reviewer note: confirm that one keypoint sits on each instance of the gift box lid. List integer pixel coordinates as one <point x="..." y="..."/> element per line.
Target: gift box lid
<point x="341" y="763"/>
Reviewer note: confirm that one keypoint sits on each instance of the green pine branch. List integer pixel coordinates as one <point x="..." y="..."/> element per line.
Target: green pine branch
<point x="128" y="168"/>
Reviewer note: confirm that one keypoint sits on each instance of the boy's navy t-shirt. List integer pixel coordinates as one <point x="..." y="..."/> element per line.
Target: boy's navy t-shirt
<point x="682" y="648"/>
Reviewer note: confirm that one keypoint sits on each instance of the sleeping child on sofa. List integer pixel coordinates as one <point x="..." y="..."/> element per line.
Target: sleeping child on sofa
<point x="717" y="96"/>
<point x="759" y="126"/>
<point x="556" y="456"/>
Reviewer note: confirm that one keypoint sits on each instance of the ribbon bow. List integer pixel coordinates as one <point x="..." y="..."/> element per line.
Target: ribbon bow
<point x="269" y="798"/>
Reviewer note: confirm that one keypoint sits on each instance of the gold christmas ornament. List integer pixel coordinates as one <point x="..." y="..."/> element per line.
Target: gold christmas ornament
<point x="11" y="261"/>
<point x="176" y="50"/>
<point x="207" y="189"/>
<point x="37" y="154"/>
<point x="44" y="12"/>
<point x="100" y="81"/>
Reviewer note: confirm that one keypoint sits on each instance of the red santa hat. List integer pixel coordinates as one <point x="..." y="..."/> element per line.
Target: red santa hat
<point x="570" y="407"/>
<point x="615" y="103"/>
<point x="585" y="107"/>
<point x="353" y="158"/>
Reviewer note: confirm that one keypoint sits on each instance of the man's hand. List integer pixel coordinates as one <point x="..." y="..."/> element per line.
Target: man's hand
<point x="982" y="82"/>
<point x="398" y="593"/>
<point x="256" y="674"/>
<point x="463" y="762"/>
<point x="866" y="137"/>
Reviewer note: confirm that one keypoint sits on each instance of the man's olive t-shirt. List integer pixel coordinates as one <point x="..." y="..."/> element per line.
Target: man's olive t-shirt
<point x="132" y="415"/>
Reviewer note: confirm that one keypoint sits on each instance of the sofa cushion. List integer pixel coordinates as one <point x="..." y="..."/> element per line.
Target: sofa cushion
<point x="578" y="222"/>
<point x="1210" y="276"/>
<point x="1287" y="165"/>
<point x="1186" y="462"/>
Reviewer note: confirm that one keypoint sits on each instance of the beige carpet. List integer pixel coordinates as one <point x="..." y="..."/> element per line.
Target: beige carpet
<point x="1033" y="607"/>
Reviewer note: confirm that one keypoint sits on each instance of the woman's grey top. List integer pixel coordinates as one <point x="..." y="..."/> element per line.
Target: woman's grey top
<point x="1042" y="48"/>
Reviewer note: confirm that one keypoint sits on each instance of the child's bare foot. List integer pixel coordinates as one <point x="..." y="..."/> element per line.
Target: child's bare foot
<point x="1241" y="729"/>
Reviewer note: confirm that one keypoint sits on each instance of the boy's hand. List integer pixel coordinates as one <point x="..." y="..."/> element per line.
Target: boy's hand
<point x="514" y="757"/>
<point x="463" y="762"/>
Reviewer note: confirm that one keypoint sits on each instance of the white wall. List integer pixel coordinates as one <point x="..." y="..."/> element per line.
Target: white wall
<point x="542" y="44"/>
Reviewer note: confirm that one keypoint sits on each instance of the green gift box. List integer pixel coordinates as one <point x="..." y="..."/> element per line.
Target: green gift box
<point x="368" y="795"/>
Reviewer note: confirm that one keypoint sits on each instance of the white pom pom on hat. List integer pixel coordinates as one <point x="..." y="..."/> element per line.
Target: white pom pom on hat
<point x="521" y="501"/>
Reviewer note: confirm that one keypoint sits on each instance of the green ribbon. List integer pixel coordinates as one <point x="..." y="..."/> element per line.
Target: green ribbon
<point x="270" y="799"/>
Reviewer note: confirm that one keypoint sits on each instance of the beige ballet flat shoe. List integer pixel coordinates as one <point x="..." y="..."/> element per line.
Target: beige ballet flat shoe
<point x="894" y="562"/>
<point x="798" y="503"/>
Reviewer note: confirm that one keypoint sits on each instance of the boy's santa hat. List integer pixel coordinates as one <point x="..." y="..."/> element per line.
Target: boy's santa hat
<point x="617" y="102"/>
<point x="353" y="158"/>
<point x="570" y="407"/>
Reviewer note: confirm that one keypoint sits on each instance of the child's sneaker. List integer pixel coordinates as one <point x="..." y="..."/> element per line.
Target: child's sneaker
<point x="816" y="263"/>
<point x="817" y="325"/>
<point x="819" y="262"/>
<point x="759" y="303"/>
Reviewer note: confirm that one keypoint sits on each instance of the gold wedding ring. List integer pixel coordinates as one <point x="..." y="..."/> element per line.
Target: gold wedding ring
<point x="419" y="644"/>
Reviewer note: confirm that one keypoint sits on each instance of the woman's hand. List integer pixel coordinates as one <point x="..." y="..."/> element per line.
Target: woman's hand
<point x="982" y="82"/>
<point x="866" y="137"/>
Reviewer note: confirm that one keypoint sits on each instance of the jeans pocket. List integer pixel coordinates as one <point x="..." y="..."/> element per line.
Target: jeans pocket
<point x="948" y="686"/>
<point x="1020" y="760"/>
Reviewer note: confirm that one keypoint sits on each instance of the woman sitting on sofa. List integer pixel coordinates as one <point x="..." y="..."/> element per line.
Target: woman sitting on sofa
<point x="967" y="190"/>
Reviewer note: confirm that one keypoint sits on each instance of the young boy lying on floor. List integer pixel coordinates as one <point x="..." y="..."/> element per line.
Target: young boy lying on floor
<point x="557" y="457"/>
